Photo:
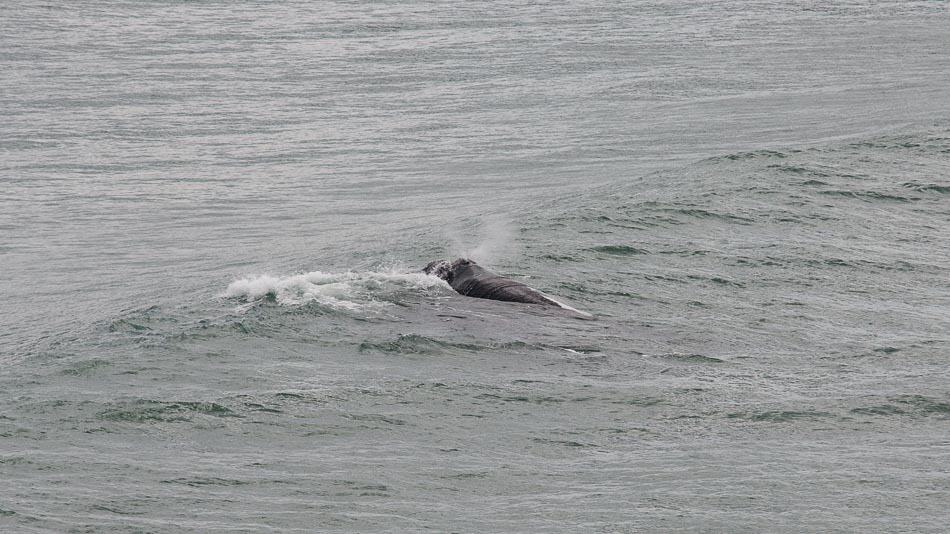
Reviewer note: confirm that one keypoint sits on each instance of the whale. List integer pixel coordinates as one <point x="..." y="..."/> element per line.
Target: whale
<point x="472" y="280"/>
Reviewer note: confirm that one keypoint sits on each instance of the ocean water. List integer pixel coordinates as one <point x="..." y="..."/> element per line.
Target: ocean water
<point x="213" y="217"/>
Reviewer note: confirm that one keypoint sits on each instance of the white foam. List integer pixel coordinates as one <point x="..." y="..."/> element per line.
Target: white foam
<point x="353" y="291"/>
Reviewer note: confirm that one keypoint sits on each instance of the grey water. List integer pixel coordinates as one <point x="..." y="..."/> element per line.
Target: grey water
<point x="213" y="217"/>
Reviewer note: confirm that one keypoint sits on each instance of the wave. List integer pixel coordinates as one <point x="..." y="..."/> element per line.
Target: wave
<point x="350" y="291"/>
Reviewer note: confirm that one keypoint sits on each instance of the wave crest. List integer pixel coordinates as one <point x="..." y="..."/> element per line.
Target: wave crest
<point x="348" y="290"/>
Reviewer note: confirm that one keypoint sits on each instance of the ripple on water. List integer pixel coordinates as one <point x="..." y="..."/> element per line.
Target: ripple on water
<point x="87" y="367"/>
<point x="780" y="416"/>
<point x="928" y="188"/>
<point x="150" y="411"/>
<point x="691" y="358"/>
<point x="620" y="250"/>
<point x="198" y="482"/>
<point x="754" y="154"/>
<point x="867" y="196"/>
<point x="909" y="405"/>
<point x="419" y="344"/>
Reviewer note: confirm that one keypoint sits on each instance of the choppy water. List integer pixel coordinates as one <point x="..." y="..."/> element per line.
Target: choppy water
<point x="213" y="216"/>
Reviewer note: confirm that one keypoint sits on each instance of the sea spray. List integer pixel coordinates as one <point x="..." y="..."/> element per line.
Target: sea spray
<point x="351" y="290"/>
<point x="495" y="242"/>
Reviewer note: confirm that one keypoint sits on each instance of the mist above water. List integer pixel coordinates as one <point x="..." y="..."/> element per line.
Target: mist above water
<point x="489" y="241"/>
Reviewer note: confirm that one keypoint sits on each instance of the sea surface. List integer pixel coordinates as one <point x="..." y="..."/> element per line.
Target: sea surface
<point x="213" y="217"/>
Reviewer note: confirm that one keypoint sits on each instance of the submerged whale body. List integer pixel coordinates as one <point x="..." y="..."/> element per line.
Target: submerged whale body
<point x="472" y="280"/>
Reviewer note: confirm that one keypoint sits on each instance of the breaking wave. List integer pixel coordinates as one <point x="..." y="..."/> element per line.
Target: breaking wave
<point x="350" y="290"/>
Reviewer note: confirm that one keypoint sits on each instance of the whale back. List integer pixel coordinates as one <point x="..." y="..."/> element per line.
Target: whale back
<point x="470" y="279"/>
